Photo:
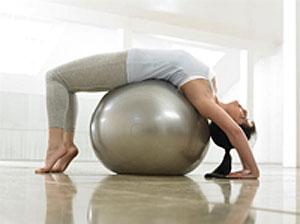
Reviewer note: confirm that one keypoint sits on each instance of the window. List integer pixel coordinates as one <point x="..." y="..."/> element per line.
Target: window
<point x="205" y="54"/>
<point x="31" y="46"/>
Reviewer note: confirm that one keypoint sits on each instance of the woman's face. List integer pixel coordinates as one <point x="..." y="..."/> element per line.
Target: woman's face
<point x="237" y="112"/>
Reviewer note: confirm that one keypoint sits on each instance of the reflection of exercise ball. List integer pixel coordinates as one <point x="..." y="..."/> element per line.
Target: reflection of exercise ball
<point x="148" y="128"/>
<point x="147" y="199"/>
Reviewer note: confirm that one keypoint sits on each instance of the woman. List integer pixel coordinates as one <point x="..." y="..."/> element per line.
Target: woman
<point x="107" y="71"/>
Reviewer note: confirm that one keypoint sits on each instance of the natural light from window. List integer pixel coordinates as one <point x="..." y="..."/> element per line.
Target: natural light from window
<point x="208" y="56"/>
<point x="31" y="46"/>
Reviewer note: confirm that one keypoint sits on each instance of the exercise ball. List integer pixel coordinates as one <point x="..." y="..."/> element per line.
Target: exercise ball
<point x="148" y="128"/>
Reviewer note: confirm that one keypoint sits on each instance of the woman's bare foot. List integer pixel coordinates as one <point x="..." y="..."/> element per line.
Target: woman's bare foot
<point x="63" y="162"/>
<point x="53" y="155"/>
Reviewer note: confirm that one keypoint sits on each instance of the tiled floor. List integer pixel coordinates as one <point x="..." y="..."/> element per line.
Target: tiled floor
<point x="87" y="193"/>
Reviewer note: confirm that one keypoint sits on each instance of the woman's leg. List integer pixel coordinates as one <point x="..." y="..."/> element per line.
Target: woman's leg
<point x="68" y="136"/>
<point x="70" y="121"/>
<point x="57" y="105"/>
<point x="95" y="73"/>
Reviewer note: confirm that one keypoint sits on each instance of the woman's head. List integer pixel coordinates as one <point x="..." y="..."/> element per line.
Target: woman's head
<point x="239" y="115"/>
<point x="220" y="138"/>
<point x="236" y="111"/>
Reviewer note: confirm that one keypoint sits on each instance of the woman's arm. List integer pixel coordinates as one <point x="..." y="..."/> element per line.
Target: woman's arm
<point x="214" y="84"/>
<point x="200" y="95"/>
<point x="215" y="90"/>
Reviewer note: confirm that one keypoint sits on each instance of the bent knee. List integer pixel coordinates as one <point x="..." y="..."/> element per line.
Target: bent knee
<point x="52" y="75"/>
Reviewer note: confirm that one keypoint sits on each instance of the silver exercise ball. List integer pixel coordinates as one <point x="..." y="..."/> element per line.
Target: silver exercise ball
<point x="148" y="128"/>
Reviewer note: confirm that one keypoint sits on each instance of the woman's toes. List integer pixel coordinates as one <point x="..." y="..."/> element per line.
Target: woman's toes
<point x="53" y="155"/>
<point x="41" y="170"/>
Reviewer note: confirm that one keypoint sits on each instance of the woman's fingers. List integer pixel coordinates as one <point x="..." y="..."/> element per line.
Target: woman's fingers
<point x="243" y="174"/>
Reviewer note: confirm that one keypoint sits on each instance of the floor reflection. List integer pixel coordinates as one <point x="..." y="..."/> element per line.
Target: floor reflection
<point x="149" y="199"/>
<point x="137" y="199"/>
<point x="87" y="196"/>
<point x="60" y="192"/>
<point x="239" y="210"/>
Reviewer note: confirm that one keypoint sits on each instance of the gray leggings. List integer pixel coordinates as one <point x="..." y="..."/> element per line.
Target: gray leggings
<point x="95" y="73"/>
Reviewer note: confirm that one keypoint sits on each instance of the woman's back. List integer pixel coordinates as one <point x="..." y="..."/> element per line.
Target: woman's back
<point x="175" y="66"/>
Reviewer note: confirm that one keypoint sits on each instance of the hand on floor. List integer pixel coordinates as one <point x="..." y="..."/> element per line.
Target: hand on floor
<point x="242" y="174"/>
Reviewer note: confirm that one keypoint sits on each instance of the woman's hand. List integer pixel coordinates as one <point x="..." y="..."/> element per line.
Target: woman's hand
<point x="242" y="174"/>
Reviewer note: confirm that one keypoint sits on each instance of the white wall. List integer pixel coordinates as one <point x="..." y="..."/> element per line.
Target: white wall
<point x="298" y="81"/>
<point x="291" y="64"/>
<point x="23" y="125"/>
<point x="268" y="109"/>
<point x="228" y="75"/>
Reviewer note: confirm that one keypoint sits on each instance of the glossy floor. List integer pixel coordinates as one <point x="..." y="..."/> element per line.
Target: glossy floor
<point x="88" y="194"/>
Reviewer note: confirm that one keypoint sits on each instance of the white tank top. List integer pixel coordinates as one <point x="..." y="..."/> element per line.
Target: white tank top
<point x="175" y="66"/>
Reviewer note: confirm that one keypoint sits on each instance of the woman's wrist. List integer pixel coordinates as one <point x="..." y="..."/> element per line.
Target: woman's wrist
<point x="255" y="172"/>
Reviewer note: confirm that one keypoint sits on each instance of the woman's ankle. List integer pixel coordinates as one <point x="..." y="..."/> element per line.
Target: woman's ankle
<point x="54" y="144"/>
<point x="68" y="144"/>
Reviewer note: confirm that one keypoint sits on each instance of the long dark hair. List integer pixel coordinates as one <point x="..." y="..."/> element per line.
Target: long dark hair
<point x="220" y="138"/>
